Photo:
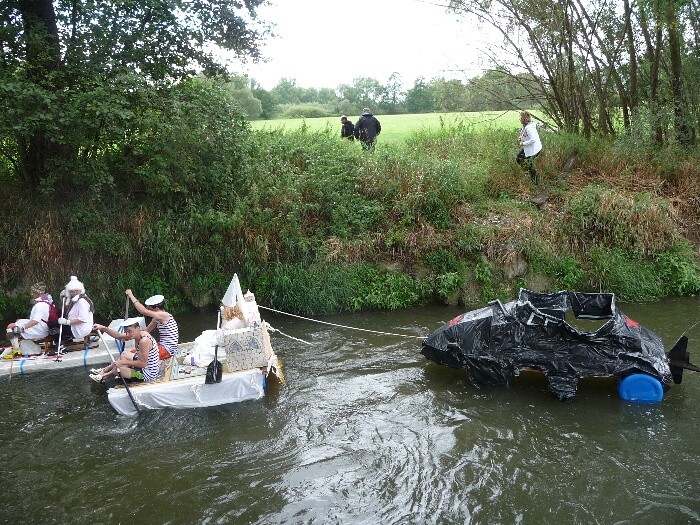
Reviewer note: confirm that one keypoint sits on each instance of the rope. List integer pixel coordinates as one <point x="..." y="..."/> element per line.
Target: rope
<point x="340" y="325"/>
<point x="271" y="329"/>
<point x="689" y="329"/>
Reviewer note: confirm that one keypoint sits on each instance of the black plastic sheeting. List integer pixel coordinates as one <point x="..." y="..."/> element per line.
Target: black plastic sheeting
<point x="496" y="342"/>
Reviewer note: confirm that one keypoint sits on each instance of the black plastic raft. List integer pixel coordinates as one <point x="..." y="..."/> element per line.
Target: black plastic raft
<point x="531" y="333"/>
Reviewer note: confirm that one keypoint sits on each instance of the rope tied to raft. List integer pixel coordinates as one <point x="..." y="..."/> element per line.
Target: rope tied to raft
<point x="340" y="325"/>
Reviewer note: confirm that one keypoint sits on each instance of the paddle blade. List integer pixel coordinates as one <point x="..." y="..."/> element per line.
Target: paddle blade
<point x="678" y="357"/>
<point x="214" y="372"/>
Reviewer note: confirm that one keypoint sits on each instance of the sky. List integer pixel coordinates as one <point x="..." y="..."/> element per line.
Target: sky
<point x="325" y="43"/>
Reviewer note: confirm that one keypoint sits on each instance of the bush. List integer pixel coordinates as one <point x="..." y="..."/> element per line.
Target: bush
<point x="305" y="111"/>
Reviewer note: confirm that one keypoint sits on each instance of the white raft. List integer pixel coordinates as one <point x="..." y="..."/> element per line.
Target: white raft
<point x="243" y="349"/>
<point x="90" y="353"/>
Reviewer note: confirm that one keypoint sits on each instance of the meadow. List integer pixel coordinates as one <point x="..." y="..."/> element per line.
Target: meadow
<point x="399" y="128"/>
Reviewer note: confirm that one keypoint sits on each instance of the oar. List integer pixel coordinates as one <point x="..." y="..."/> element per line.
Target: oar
<point x="60" y="331"/>
<point x="214" y="370"/>
<point x="128" y="391"/>
<point x="126" y="316"/>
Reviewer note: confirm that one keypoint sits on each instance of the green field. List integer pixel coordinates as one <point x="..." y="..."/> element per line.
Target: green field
<point x="397" y="128"/>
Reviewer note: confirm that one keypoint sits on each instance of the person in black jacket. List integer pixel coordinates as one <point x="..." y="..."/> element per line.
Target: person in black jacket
<point x="347" y="131"/>
<point x="367" y="129"/>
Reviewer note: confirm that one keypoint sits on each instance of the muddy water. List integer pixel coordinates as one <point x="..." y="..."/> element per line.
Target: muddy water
<point x="364" y="431"/>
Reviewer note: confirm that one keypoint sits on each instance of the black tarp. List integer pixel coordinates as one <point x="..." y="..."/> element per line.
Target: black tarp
<point x="496" y="342"/>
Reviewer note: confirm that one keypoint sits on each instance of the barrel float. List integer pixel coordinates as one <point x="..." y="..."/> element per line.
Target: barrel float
<point x="641" y="388"/>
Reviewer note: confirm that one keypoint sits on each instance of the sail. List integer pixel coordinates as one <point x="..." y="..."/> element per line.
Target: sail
<point x="233" y="293"/>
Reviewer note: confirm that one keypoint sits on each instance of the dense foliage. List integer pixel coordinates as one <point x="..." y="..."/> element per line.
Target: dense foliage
<point x="313" y="224"/>
<point x="76" y="77"/>
<point x="123" y="167"/>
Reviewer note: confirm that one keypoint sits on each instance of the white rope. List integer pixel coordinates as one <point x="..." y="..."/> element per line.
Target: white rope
<point x="689" y="329"/>
<point x="271" y="329"/>
<point x="342" y="326"/>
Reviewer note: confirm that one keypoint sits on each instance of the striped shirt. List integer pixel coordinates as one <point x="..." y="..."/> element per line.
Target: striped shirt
<point x="152" y="368"/>
<point x="169" y="334"/>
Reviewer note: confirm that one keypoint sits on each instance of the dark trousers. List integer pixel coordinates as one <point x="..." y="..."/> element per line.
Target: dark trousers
<point x="528" y="163"/>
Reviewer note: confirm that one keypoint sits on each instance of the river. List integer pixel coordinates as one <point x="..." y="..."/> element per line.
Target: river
<point x="364" y="431"/>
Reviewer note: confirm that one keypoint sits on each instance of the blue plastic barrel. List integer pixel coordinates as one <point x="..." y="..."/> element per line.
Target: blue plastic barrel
<point x="641" y="388"/>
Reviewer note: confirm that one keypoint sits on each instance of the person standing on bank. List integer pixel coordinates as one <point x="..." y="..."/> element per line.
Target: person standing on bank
<point x="347" y="130"/>
<point x="530" y="145"/>
<point x="367" y="129"/>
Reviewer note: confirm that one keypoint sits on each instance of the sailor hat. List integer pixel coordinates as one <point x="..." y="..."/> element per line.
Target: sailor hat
<point x="131" y="321"/>
<point x="155" y="300"/>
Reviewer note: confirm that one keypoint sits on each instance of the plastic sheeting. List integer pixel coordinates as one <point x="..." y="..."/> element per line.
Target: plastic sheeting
<point x="494" y="343"/>
<point x="189" y="393"/>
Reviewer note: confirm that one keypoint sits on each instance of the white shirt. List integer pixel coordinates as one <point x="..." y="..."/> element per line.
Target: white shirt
<point x="40" y="312"/>
<point x="81" y="310"/>
<point x="530" y="139"/>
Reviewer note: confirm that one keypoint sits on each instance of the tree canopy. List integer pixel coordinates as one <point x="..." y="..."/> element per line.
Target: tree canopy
<point x="75" y="74"/>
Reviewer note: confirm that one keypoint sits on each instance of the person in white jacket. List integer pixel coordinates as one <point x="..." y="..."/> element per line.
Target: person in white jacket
<point x="530" y="145"/>
<point x="78" y="311"/>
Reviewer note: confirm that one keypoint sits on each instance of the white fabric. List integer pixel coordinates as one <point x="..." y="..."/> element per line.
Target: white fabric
<point x="75" y="284"/>
<point x="233" y="294"/>
<point x="202" y="352"/>
<point x="531" y="140"/>
<point x="40" y="312"/>
<point x="250" y="308"/>
<point x="81" y="311"/>
<point x="191" y="392"/>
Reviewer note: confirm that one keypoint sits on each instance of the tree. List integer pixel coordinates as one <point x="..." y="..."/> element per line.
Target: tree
<point x="419" y="98"/>
<point x="392" y="96"/>
<point x="450" y="95"/>
<point x="587" y="61"/>
<point x="239" y="88"/>
<point x="364" y="92"/>
<point x="287" y="92"/>
<point x="57" y="52"/>
<point x="269" y="104"/>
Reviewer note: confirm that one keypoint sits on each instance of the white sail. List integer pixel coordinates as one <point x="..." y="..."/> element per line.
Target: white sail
<point x="233" y="293"/>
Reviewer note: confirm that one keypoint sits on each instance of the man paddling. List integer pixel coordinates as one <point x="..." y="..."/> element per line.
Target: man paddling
<point x="145" y="364"/>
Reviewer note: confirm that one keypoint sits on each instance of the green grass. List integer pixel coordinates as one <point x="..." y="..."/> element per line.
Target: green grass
<point x="398" y="128"/>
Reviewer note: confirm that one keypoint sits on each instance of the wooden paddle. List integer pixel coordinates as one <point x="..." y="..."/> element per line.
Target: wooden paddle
<point x="215" y="370"/>
<point x="128" y="391"/>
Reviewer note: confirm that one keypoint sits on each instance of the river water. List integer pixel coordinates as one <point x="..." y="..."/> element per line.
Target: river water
<point x="365" y="430"/>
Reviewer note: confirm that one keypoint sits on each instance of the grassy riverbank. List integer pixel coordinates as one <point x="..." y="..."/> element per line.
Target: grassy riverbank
<point x="313" y="224"/>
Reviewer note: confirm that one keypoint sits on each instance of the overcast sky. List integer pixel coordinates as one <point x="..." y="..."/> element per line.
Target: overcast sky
<point x="324" y="43"/>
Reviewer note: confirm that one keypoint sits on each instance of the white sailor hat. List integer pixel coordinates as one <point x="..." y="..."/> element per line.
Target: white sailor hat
<point x="131" y="321"/>
<point x="155" y="300"/>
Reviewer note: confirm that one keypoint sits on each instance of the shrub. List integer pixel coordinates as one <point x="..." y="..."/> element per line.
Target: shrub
<point x="305" y="111"/>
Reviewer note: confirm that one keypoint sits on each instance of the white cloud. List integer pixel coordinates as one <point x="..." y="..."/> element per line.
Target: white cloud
<point x="324" y="43"/>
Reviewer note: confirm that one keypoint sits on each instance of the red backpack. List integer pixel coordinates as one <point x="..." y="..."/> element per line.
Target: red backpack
<point x="53" y="312"/>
